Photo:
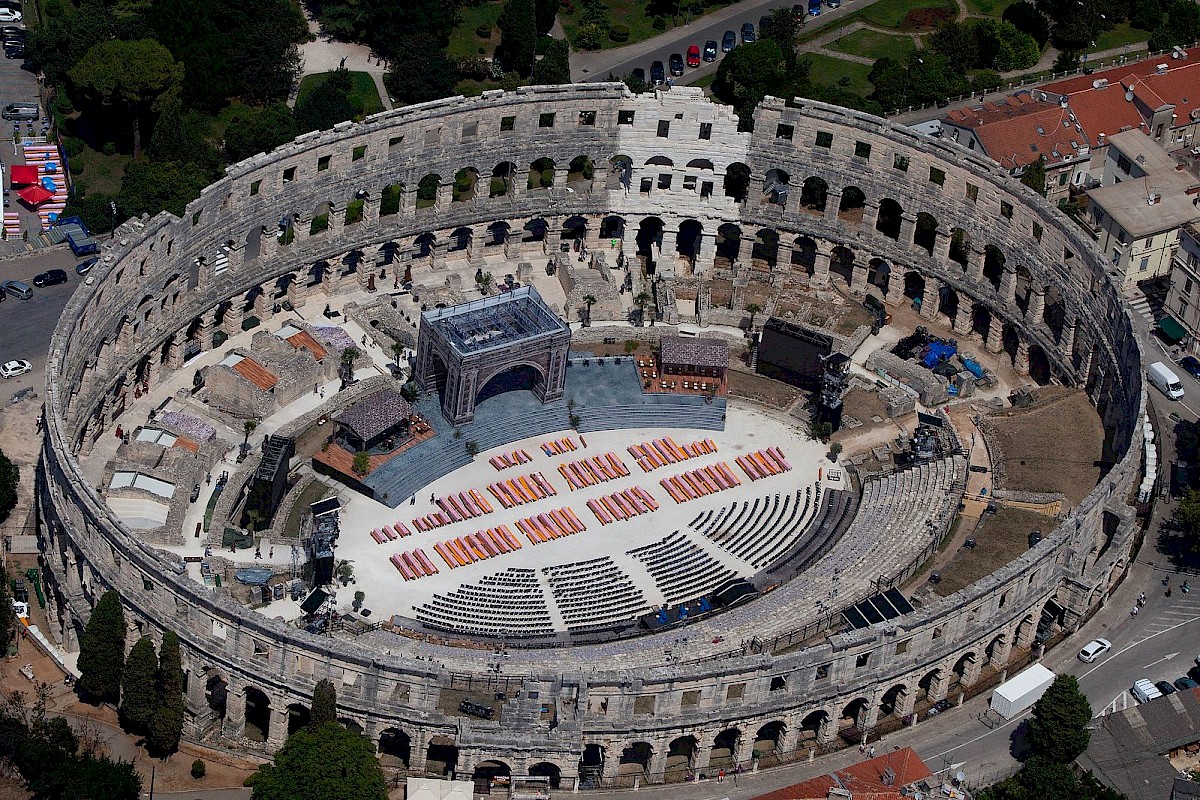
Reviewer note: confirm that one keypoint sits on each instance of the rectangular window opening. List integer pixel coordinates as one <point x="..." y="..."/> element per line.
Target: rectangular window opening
<point x="546" y="120"/>
<point x="824" y="139"/>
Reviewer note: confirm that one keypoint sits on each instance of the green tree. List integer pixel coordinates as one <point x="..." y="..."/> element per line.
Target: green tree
<point x="102" y="650"/>
<point x="518" y="36"/>
<point x="139" y="692"/>
<point x="958" y="43"/>
<point x="421" y="73"/>
<point x="890" y="79"/>
<point x="253" y="131"/>
<point x="328" y="763"/>
<point x="1003" y="47"/>
<point x="753" y="309"/>
<point x="545" y="11"/>
<point x="1034" y="176"/>
<point x="747" y="74"/>
<point x="1025" y="16"/>
<point x="166" y="725"/>
<point x="327" y="104"/>
<point x="555" y="66"/>
<point x="1066" y="60"/>
<point x="194" y="32"/>
<point x="1186" y="518"/>
<point x="60" y="43"/>
<point x="1146" y="15"/>
<point x="264" y="46"/>
<point x="324" y="704"/>
<point x="1057" y="730"/>
<point x="10" y="476"/>
<point x="180" y="135"/>
<point x="149" y="187"/>
<point x="589" y="300"/>
<point x="127" y="77"/>
<point x="782" y="29"/>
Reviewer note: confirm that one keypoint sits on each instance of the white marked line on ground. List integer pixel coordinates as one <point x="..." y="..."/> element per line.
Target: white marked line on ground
<point x="1167" y="657"/>
<point x="1128" y="647"/>
<point x="1119" y="703"/>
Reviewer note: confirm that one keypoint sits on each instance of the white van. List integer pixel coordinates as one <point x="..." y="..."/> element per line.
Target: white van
<point x="1144" y="691"/>
<point x="1166" y="381"/>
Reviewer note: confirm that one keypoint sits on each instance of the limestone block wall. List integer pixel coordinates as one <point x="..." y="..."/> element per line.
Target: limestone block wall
<point x="159" y="295"/>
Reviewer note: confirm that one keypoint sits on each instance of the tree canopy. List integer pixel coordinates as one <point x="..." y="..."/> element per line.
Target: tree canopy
<point x="327" y="104"/>
<point x="166" y="724"/>
<point x="518" y="36"/>
<point x="324" y="704"/>
<point x="1058" y="727"/>
<point x="748" y="73"/>
<point x="139" y="690"/>
<point x="10" y="476"/>
<point x="1034" y="176"/>
<point x="421" y="73"/>
<point x="328" y="763"/>
<point x="102" y="650"/>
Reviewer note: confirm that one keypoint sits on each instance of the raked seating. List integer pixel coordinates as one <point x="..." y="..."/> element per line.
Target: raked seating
<point x="768" y="531"/>
<point x="504" y="603"/>
<point x="594" y="593"/>
<point x="680" y="568"/>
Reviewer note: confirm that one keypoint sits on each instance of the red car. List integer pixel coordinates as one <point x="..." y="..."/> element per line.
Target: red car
<point x="693" y="56"/>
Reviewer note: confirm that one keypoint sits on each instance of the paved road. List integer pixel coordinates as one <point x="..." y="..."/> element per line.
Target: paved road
<point x="26" y="325"/>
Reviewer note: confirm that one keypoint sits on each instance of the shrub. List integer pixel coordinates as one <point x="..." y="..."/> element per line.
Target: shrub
<point x="589" y="37"/>
<point x="484" y="31"/>
<point x="52" y="8"/>
<point x="619" y="33"/>
<point x="72" y="146"/>
<point x="109" y="149"/>
<point x="659" y="24"/>
<point x="76" y="167"/>
<point x="198" y="769"/>
<point x="362" y="462"/>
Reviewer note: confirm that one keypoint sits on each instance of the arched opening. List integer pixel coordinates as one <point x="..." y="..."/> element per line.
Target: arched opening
<point x="925" y="232"/>
<point x="441" y="757"/>
<point x="891" y="700"/>
<point x="350" y="724"/>
<point x="725" y="748"/>
<point x="622" y="172"/>
<point x="681" y="755"/>
<point x="497" y="234"/>
<point x="928" y="682"/>
<point x="460" y="239"/>
<point x="649" y="242"/>
<point x="687" y="241"/>
<point x="993" y="265"/>
<point x="853" y="714"/>
<point x="766" y="248"/>
<point x="700" y="163"/>
<point x="522" y="377"/>
<point x="488" y="774"/>
<point x="465" y="181"/>
<point x="878" y="274"/>
<point x="737" y="181"/>
<point x="545" y="769"/>
<point x="775" y="187"/>
<point x="423" y="245"/>
<point x="960" y="246"/>
<point x="994" y="652"/>
<point x="853" y="205"/>
<point x="1054" y="314"/>
<point x="534" y="230"/>
<point x="573" y="228"/>
<point x="804" y="255"/>
<point x="502" y="179"/>
<point x="1010" y="340"/>
<point x="298" y="717"/>
<point x="767" y="743"/>
<point x="1039" y="365"/>
<point x="591" y="766"/>
<point x="580" y="170"/>
<point x="635" y="759"/>
<point x="612" y="228"/>
<point x="810" y="726"/>
<point x="395" y="748"/>
<point x="914" y="286"/>
<point x="389" y="199"/>
<point x="981" y="320"/>
<point x="948" y="302"/>
<point x="258" y="715"/>
<point x="841" y="262"/>
<point x="216" y="694"/>
<point x="961" y="667"/>
<point x="1023" y="288"/>
<point x="541" y="174"/>
<point x="813" y="195"/>
<point x="729" y="243"/>
<point x="253" y="243"/>
<point x="427" y="189"/>
<point x="890" y="215"/>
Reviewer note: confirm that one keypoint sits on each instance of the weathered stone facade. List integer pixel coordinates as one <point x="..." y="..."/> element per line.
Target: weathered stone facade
<point x="901" y="215"/>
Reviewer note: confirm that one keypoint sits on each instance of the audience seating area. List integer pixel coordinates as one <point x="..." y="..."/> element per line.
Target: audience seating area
<point x="413" y="564"/>
<point x="506" y="460"/>
<point x="551" y="525"/>
<point x="389" y="533"/>
<point x="762" y="530"/>
<point x="464" y="505"/>
<point x="477" y="546"/>
<point x="508" y="603"/>
<point x="518" y="491"/>
<point x="621" y="506"/>
<point x="590" y="471"/>
<point x="700" y="482"/>
<point x="682" y="570"/>
<point x="593" y="593"/>
<point x="559" y="447"/>
<point x="660" y="452"/>
<point x="763" y="463"/>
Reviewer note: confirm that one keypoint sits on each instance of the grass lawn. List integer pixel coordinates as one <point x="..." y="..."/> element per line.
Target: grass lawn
<point x="703" y="82"/>
<point x="633" y="14"/>
<point x="892" y="13"/>
<point x="100" y="173"/>
<point x="463" y="41"/>
<point x="829" y="71"/>
<point x="1119" y="36"/>
<point x="363" y="93"/>
<point x="987" y="8"/>
<point x="875" y="45"/>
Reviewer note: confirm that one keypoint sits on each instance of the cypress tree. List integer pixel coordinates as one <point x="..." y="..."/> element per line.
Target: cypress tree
<point x="102" y="650"/>
<point x="324" y="704"/>
<point x="166" y="724"/>
<point x="8" y="622"/>
<point x="518" y="36"/>
<point x="139" y="688"/>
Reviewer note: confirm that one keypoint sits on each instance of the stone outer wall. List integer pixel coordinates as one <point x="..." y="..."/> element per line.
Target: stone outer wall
<point x="158" y="295"/>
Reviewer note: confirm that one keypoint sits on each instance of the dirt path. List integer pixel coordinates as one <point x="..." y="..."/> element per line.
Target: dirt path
<point x="323" y="54"/>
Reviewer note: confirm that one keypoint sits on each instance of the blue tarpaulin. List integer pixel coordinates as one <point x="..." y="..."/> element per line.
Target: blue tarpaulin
<point x="936" y="352"/>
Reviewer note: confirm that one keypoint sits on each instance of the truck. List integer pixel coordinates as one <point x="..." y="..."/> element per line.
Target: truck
<point x="1022" y="691"/>
<point x="72" y="231"/>
<point x="1165" y="380"/>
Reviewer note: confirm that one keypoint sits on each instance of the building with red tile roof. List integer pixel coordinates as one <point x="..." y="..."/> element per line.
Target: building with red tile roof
<point x="256" y="373"/>
<point x="879" y="778"/>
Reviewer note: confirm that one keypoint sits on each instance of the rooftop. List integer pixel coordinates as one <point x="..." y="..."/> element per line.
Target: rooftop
<point x="252" y="371"/>
<point x="694" y="352"/>
<point x="864" y="779"/>
<point x="1130" y="206"/>
<point x="1019" y="130"/>
<point x="495" y="322"/>
<point x="1144" y="151"/>
<point x="375" y="414"/>
<point x="301" y="339"/>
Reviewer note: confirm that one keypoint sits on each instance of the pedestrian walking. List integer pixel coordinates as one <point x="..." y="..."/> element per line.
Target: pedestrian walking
<point x="1133" y="613"/>
<point x="871" y="751"/>
<point x="720" y="776"/>
<point x="862" y="748"/>
<point x="1142" y="599"/>
<point x="413" y="501"/>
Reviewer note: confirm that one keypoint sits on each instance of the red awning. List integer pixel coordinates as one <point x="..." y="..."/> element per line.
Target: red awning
<point x="35" y="194"/>
<point x="23" y="173"/>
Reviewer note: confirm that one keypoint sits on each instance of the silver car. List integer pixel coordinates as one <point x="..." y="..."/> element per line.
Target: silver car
<point x="1094" y="649"/>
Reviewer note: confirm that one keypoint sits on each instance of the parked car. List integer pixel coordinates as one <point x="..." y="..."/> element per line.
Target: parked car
<point x="21" y="110"/>
<point x="638" y="74"/>
<point x="1185" y="683"/>
<point x="18" y="289"/>
<point x="14" y="51"/>
<point x="693" y="56"/>
<point x="1191" y="365"/>
<point x="1094" y="649"/>
<point x="8" y="15"/>
<point x="799" y="11"/>
<point x="84" y="267"/>
<point x="1144" y="691"/>
<point x="763" y="23"/>
<point x="15" y="368"/>
<point x="13" y="30"/>
<point x="676" y="63"/>
<point x="658" y="75"/>
<point x="1166" y="687"/>
<point x="710" y="50"/>
<point x="748" y="36"/>
<point x="834" y="3"/>
<point x="51" y="277"/>
<point x="728" y="41"/>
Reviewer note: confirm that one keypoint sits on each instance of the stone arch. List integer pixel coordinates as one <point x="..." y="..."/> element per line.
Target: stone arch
<point x="423" y="245"/>
<point x="962" y="667"/>
<point x="737" y="181"/>
<point x="811" y="725"/>
<point x="649" y="241"/>
<point x="612" y="227"/>
<point x="775" y="186"/>
<point x="948" y="301"/>
<point x="321" y="214"/>
<point x="216" y="693"/>
<point x="258" y="714"/>
<point x="252" y="243"/>
<point x="960" y="247"/>
<point x="350" y="724"/>
<point x="841" y="262"/>
<point x="635" y="759"/>
<point x="460" y="239"/>
<point x="1039" y="365"/>
<point x="503" y="175"/>
<point x="914" y="285"/>
<point x="814" y="194"/>
<point x="488" y="772"/>
<point x="510" y="377"/>
<point x="769" y="740"/>
<point x="622" y="167"/>
<point x="925" y="232"/>
<point x="395" y="747"/>
<point x="995" y="651"/>
<point x="879" y="274"/>
<point x="580" y="170"/>
<point x="681" y="756"/>
<point x="852" y="206"/>
<point x="497" y="233"/>
<point x="545" y="769"/>
<point x="725" y="748"/>
<point x="541" y="174"/>
<point x="687" y="241"/>
<point x="591" y="765"/>
<point x="390" y="197"/>
<point x="298" y="716"/>
<point x="701" y="163"/>
<point x="427" y="190"/>
<point x="466" y="181"/>
<point x="441" y="757"/>
<point x="853" y="713"/>
<point x="890" y="215"/>
<point x="1010" y="339"/>
<point x="1054" y="313"/>
<point x="659" y="161"/>
<point x="534" y="230"/>
<point x="729" y="242"/>
<point x="804" y="254"/>
<point x="993" y="265"/>
<point x="766" y="247"/>
<point x="927" y="684"/>
<point x="891" y="700"/>
<point x="981" y="319"/>
<point x="574" y="227"/>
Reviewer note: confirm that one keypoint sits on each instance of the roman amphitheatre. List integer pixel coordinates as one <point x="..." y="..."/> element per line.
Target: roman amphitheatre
<point x="462" y="408"/>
